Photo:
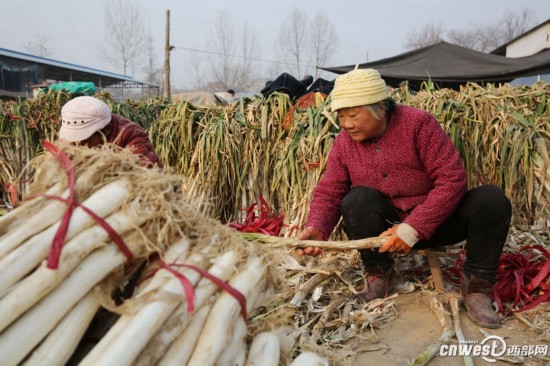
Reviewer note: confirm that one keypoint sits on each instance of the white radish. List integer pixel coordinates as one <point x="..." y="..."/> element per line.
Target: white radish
<point x="60" y="344"/>
<point x="40" y="282"/>
<point x="177" y="250"/>
<point x="30" y="226"/>
<point x="264" y="350"/>
<point x="13" y="219"/>
<point x="309" y="359"/>
<point x="125" y="349"/>
<point x="39" y="213"/>
<point x="232" y="355"/>
<point x="22" y="260"/>
<point x="213" y="337"/>
<point x="177" y="337"/>
<point x="23" y="335"/>
<point x="181" y="349"/>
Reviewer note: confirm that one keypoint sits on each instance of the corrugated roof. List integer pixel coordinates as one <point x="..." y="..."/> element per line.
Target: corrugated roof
<point x="55" y="67"/>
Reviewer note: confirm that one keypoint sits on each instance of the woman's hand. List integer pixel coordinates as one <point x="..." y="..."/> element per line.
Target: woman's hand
<point x="394" y="242"/>
<point x="310" y="233"/>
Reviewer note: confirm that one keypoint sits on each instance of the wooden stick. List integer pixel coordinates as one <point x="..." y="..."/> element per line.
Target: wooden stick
<point x="323" y="320"/>
<point x="275" y="241"/>
<point x="468" y="361"/>
<point x="307" y="287"/>
<point x="448" y="333"/>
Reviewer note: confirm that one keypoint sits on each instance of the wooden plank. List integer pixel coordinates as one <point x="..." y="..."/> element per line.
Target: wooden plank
<point x="435" y="268"/>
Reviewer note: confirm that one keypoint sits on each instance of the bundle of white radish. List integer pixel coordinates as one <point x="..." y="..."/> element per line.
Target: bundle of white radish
<point x="93" y="213"/>
<point x="165" y="324"/>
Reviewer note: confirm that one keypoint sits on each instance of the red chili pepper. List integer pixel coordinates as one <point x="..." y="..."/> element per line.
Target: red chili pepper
<point x="13" y="117"/>
<point x="33" y="121"/>
<point x="312" y="165"/>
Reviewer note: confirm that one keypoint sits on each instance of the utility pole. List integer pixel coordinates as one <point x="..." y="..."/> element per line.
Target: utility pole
<point x="166" y="92"/>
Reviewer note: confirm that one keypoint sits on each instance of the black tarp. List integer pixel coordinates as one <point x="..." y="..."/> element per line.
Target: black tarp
<point x="450" y="66"/>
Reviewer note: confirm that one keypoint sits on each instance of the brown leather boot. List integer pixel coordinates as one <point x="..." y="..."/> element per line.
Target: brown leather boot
<point x="477" y="294"/>
<point x="377" y="284"/>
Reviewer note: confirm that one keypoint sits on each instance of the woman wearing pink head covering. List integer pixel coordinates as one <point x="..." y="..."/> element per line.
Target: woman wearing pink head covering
<point x="89" y="121"/>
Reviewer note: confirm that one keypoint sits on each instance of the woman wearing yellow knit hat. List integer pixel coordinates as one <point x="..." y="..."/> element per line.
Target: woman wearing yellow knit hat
<point x="393" y="172"/>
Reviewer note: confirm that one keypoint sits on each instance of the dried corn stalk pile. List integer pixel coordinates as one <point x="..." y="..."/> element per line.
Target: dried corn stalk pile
<point x="25" y="124"/>
<point x="241" y="151"/>
<point x="503" y="136"/>
<point x="121" y="213"/>
<point x="244" y="150"/>
<point x="23" y="127"/>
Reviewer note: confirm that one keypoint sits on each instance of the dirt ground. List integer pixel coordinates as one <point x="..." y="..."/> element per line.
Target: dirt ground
<point x="416" y="327"/>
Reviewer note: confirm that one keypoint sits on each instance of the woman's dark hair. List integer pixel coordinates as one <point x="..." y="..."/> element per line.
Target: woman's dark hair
<point x="389" y="104"/>
<point x="384" y="108"/>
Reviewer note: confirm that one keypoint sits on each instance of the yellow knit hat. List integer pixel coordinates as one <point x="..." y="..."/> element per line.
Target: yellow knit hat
<point x="358" y="87"/>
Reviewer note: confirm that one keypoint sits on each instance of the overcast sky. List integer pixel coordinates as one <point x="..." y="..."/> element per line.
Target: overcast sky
<point x="73" y="28"/>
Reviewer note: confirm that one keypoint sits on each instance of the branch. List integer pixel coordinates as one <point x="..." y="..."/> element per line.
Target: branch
<point x="274" y="241"/>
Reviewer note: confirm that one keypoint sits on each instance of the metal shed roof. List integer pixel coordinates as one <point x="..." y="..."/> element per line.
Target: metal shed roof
<point x="64" y="71"/>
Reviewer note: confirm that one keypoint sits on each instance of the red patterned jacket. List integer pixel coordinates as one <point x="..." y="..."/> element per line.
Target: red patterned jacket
<point x="413" y="164"/>
<point x="128" y="134"/>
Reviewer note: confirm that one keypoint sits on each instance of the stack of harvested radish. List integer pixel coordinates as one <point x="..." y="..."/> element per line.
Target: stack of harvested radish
<point x="90" y="216"/>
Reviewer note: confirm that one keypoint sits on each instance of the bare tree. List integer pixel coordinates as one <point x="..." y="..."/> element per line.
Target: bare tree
<point x="125" y="35"/>
<point x="486" y="38"/>
<point x="222" y="45"/>
<point x="304" y="44"/>
<point x="193" y="66"/>
<point x="247" y="69"/>
<point x="292" y="42"/>
<point x="480" y="37"/>
<point x="514" y="24"/>
<point x="153" y="73"/>
<point x="232" y="59"/>
<point x="429" y="34"/>
<point x="322" y="40"/>
<point x="39" y="47"/>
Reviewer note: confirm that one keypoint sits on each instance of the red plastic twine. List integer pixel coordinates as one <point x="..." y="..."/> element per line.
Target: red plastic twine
<point x="224" y="285"/>
<point x="61" y="233"/>
<point x="101" y="222"/>
<point x="519" y="276"/>
<point x="190" y="290"/>
<point x="187" y="285"/>
<point x="11" y="188"/>
<point x="265" y="223"/>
